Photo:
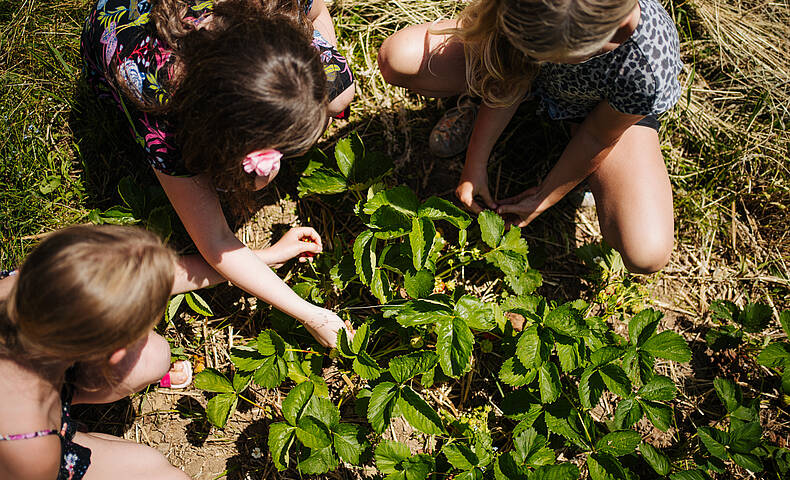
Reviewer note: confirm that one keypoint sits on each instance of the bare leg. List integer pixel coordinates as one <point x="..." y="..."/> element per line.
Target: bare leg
<point x="112" y="457"/>
<point x="429" y="64"/>
<point x="340" y="102"/>
<point x="145" y="363"/>
<point x="633" y="197"/>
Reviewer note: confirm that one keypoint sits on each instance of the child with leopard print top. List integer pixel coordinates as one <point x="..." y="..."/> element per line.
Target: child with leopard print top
<point x="608" y="66"/>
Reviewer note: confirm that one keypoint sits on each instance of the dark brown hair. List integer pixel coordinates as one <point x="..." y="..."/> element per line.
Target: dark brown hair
<point x="249" y="80"/>
<point x="85" y="292"/>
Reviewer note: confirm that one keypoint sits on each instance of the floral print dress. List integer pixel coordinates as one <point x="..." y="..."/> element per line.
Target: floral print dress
<point x="118" y="34"/>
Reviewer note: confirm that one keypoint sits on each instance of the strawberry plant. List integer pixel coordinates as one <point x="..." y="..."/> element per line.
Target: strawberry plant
<point x="570" y="390"/>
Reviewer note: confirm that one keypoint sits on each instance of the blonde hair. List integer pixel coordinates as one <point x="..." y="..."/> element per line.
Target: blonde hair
<point x="85" y="292"/>
<point x="505" y="41"/>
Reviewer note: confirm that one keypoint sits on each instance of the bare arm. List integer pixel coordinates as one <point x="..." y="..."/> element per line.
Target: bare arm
<point x="489" y="124"/>
<point x="196" y="203"/>
<point x="588" y="147"/>
<point x="322" y="21"/>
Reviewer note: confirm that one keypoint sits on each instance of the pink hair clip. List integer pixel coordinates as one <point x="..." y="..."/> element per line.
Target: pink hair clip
<point x="262" y="162"/>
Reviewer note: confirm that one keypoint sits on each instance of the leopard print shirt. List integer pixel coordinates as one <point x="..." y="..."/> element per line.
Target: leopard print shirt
<point x="639" y="77"/>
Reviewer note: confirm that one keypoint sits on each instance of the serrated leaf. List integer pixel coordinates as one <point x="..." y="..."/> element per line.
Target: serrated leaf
<point x="722" y="338"/>
<point x="728" y="393"/>
<point x="436" y="208"/>
<point x="347" y="151"/>
<point x="389" y="455"/>
<point x="549" y="382"/>
<point x="213" y="381"/>
<point x="655" y="458"/>
<point x="755" y="317"/>
<point x="365" y="256"/>
<point x="294" y="404"/>
<point x="522" y="405"/>
<point x="271" y="373"/>
<point x="454" y="345"/>
<point x="343" y="345"/>
<point x="475" y="313"/>
<point x="514" y="374"/>
<point x="281" y="437"/>
<point x="246" y="359"/>
<point x="381" y="405"/>
<point x="590" y="387"/>
<point x="322" y="181"/>
<point x="197" y="304"/>
<point x="748" y="461"/>
<point x="421" y="239"/>
<point x="605" y="467"/>
<point x="689" y="475"/>
<point x="745" y="438"/>
<point x="366" y="366"/>
<point x="605" y="355"/>
<point x="172" y="306"/>
<point x="312" y="433"/>
<point x="531" y="350"/>
<point x="350" y="443"/>
<point x="418" y="467"/>
<point x="525" y="443"/>
<point x="668" y="345"/>
<point x="418" y="413"/>
<point x="406" y="367"/>
<point x="390" y="223"/>
<point x="658" y="389"/>
<point x="380" y="286"/>
<point x="615" y="379"/>
<point x="513" y="241"/>
<point x="565" y="320"/>
<point x="318" y="461"/>
<point x="360" y="341"/>
<point x="628" y="412"/>
<point x="323" y="410"/>
<point x="714" y="440"/>
<point x="369" y="169"/>
<point x="492" y="226"/>
<point x="420" y="284"/>
<point x="784" y="320"/>
<point x="643" y="325"/>
<point x="241" y="381"/>
<point x="659" y="414"/>
<point x="422" y="312"/>
<point x="400" y="198"/>
<point x="220" y="407"/>
<point x="512" y="264"/>
<point x="506" y="468"/>
<point x="460" y="456"/>
<point x="270" y="342"/>
<point x="619" y="443"/>
<point x="775" y="354"/>
<point x="562" y="471"/>
<point x="568" y="354"/>
<point x="525" y="282"/>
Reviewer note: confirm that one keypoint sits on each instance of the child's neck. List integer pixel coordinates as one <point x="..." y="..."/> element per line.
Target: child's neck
<point x="627" y="28"/>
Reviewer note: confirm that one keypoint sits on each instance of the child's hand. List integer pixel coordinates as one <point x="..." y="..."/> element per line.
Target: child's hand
<point x="526" y="206"/>
<point x="299" y="241"/>
<point x="474" y="183"/>
<point x="324" y="325"/>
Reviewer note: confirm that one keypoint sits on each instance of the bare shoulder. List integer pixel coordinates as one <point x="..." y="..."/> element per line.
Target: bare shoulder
<point x="31" y="459"/>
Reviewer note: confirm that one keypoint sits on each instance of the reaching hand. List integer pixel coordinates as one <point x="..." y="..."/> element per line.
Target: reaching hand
<point x="526" y="205"/>
<point x="472" y="184"/>
<point x="324" y="326"/>
<point x="299" y="241"/>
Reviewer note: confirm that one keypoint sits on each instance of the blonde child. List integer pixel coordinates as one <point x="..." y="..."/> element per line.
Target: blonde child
<point x="217" y="93"/>
<point x="608" y="66"/>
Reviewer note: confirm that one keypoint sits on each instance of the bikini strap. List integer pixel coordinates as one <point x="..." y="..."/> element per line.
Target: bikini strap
<point x="40" y="433"/>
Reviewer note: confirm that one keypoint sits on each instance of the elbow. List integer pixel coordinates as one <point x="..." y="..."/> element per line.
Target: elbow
<point x="214" y="247"/>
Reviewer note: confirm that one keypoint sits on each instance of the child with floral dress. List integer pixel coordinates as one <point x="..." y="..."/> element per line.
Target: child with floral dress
<point x="217" y="93"/>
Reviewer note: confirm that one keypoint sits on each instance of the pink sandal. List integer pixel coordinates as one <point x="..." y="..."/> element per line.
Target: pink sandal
<point x="165" y="382"/>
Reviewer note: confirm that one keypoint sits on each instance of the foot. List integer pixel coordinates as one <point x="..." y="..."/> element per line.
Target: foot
<point x="450" y="136"/>
<point x="179" y="376"/>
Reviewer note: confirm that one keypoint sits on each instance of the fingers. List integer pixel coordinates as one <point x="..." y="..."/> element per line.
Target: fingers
<point x="465" y="193"/>
<point x="308" y="234"/>
<point x="486" y="196"/>
<point x="521" y="196"/>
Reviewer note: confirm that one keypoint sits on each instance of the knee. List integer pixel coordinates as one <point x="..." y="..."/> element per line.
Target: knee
<point x="157" y="359"/>
<point x="339" y="103"/>
<point x="393" y="59"/>
<point x="649" y="256"/>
